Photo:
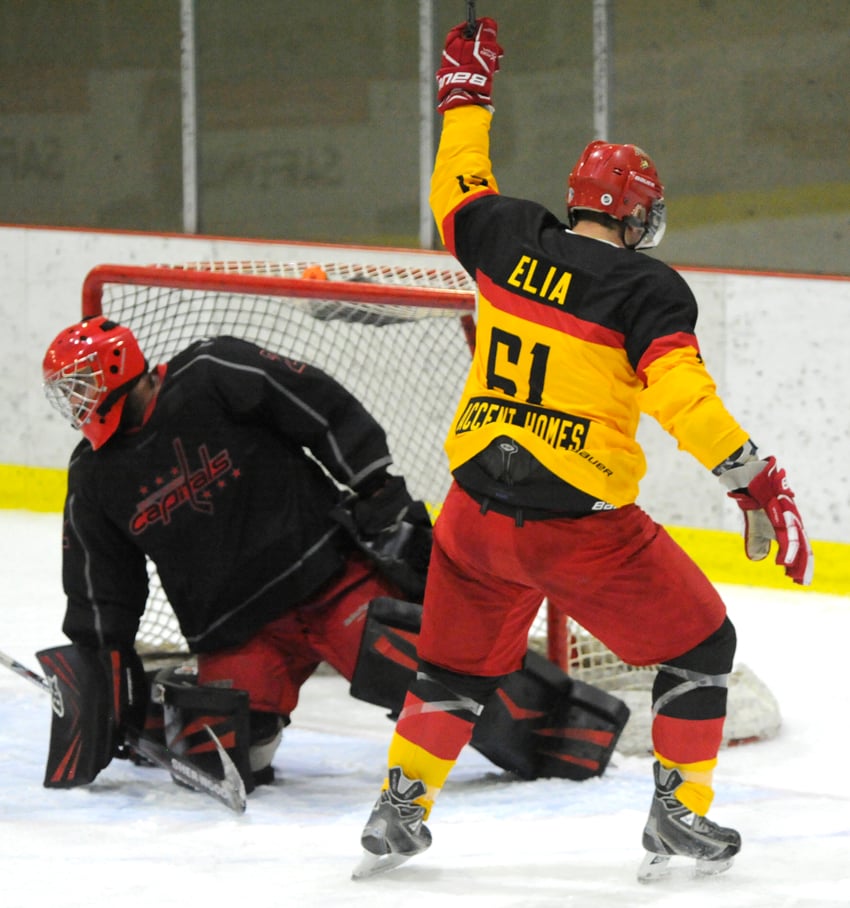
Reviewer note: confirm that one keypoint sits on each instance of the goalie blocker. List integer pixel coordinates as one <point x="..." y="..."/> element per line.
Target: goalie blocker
<point x="540" y="723"/>
<point x="103" y="694"/>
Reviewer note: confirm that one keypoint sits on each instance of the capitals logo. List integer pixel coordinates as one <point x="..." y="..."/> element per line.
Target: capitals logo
<point x="189" y="486"/>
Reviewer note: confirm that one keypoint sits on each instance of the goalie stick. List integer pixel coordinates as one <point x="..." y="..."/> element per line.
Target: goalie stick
<point x="230" y="790"/>
<point x="48" y="686"/>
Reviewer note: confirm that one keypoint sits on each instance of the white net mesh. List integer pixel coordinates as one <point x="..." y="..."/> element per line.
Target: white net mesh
<point x="404" y="356"/>
<point x="752" y="711"/>
<point x="399" y="338"/>
<point x="405" y="361"/>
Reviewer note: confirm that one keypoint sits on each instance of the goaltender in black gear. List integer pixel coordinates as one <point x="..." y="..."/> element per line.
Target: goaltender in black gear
<point x="200" y="465"/>
<point x="260" y="489"/>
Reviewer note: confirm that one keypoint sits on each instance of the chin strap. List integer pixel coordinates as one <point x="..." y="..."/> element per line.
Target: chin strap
<point x="122" y="390"/>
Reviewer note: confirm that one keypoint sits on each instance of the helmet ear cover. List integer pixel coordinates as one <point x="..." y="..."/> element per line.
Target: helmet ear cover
<point x="89" y="370"/>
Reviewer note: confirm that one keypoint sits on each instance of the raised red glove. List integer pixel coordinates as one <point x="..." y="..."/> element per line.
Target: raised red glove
<point x="771" y="514"/>
<point x="468" y="65"/>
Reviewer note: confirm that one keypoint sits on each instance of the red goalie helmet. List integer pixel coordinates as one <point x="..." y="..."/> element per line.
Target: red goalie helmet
<point x="621" y="181"/>
<point x="89" y="370"/>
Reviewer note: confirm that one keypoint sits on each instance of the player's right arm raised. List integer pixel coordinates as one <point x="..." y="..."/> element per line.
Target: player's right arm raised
<point x="462" y="170"/>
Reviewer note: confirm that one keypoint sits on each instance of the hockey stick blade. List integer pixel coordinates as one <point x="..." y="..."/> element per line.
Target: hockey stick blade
<point x="231" y="773"/>
<point x="230" y="790"/>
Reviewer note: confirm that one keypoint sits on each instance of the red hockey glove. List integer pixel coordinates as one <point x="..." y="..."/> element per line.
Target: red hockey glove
<point x="468" y="65"/>
<point x="771" y="514"/>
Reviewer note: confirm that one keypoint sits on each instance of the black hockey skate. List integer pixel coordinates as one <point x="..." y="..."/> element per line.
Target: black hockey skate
<point x="395" y="831"/>
<point x="673" y="830"/>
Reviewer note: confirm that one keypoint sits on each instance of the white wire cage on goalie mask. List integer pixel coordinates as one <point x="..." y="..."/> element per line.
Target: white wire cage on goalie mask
<point x="89" y="369"/>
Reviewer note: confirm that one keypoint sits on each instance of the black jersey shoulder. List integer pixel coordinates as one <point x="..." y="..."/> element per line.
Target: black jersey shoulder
<point x="628" y="292"/>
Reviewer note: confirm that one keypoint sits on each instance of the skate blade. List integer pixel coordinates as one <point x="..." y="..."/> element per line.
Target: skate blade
<point x="653" y="867"/>
<point x="712" y="868"/>
<point x="657" y="867"/>
<point x="375" y="864"/>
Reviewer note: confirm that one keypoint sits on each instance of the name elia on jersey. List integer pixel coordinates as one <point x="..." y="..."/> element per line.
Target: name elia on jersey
<point x="192" y="487"/>
<point x="550" y="285"/>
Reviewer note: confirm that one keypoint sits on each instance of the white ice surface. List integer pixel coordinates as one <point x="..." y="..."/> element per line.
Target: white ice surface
<point x="133" y="839"/>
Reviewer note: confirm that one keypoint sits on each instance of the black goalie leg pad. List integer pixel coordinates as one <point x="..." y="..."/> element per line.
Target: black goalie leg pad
<point x="541" y="723"/>
<point x="387" y="660"/>
<point x="82" y="737"/>
<point x="189" y="710"/>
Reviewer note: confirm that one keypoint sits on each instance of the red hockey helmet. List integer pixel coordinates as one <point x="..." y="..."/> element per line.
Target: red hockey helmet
<point x="621" y="181"/>
<point x="89" y="370"/>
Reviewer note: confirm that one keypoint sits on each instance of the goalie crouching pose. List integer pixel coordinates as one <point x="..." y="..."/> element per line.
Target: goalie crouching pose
<point x="577" y="334"/>
<point x="200" y="465"/>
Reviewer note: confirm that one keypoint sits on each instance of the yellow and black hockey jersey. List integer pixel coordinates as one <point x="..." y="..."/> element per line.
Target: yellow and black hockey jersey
<point x="575" y="339"/>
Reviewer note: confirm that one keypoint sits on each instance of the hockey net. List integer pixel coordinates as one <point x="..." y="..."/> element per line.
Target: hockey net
<point x="399" y="337"/>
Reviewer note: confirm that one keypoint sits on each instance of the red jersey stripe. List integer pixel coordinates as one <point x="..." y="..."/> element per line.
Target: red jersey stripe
<point x="662" y="346"/>
<point x="548" y="316"/>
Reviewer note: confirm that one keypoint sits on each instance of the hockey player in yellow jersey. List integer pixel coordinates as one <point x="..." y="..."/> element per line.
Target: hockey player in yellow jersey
<point x="578" y="334"/>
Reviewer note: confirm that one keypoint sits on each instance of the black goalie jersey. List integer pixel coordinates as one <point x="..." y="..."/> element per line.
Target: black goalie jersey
<point x="216" y="489"/>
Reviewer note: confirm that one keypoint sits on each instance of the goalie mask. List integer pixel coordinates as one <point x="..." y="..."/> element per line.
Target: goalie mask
<point x="620" y="181"/>
<point x="89" y="370"/>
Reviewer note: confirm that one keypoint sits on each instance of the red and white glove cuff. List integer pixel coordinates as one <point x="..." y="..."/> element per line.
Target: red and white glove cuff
<point x="771" y="513"/>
